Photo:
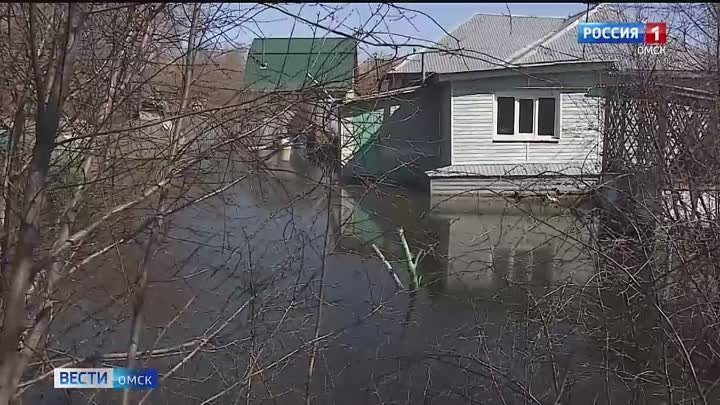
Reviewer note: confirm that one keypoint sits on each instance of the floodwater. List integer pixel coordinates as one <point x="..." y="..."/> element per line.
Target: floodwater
<point x="495" y="319"/>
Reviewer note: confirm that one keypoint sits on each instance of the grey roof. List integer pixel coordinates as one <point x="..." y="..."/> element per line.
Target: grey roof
<point x="496" y="41"/>
<point x="485" y="41"/>
<point x="563" y="46"/>
<point x="520" y="169"/>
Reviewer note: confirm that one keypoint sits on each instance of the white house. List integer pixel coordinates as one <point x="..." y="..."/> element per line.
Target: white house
<point x="505" y="109"/>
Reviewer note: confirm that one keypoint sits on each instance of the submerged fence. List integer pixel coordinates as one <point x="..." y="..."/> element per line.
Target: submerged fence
<point x="659" y="247"/>
<point x="661" y="147"/>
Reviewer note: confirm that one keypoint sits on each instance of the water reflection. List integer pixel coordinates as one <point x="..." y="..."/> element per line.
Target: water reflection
<point x="475" y="253"/>
<point x="485" y="272"/>
<point x="268" y="237"/>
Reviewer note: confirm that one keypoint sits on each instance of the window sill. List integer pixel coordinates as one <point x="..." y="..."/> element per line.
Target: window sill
<point x="524" y="139"/>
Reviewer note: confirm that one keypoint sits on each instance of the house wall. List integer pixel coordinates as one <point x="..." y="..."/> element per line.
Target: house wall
<point x="408" y="141"/>
<point x="488" y="186"/>
<point x="445" y="126"/>
<point x="473" y="122"/>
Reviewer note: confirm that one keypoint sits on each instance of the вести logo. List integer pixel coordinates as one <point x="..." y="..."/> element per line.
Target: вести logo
<point x="114" y="378"/>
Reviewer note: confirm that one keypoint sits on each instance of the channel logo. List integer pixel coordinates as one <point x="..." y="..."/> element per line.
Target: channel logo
<point x="652" y="33"/>
<point x="112" y="378"/>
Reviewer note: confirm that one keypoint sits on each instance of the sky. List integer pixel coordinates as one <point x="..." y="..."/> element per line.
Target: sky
<point x="410" y="30"/>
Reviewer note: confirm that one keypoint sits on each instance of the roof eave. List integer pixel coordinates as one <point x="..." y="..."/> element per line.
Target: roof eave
<point x="385" y="94"/>
<point x="546" y="67"/>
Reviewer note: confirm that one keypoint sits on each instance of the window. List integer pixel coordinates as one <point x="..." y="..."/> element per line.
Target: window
<point x="546" y="116"/>
<point x="506" y="115"/>
<point x="526" y="118"/>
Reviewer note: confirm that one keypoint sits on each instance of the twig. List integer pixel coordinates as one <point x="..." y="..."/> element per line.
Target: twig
<point x="321" y="299"/>
<point x="412" y="263"/>
<point x="389" y="268"/>
<point x="200" y="345"/>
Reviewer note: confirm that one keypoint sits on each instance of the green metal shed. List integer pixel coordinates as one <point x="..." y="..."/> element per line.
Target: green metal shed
<point x="299" y="63"/>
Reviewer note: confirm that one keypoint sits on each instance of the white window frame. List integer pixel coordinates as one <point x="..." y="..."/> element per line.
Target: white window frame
<point x="528" y="137"/>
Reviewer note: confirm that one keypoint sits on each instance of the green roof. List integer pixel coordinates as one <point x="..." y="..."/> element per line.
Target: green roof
<point x="293" y="63"/>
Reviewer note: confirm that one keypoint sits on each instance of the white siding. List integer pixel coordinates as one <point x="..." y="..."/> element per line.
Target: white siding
<point x="472" y="133"/>
<point x="579" y="134"/>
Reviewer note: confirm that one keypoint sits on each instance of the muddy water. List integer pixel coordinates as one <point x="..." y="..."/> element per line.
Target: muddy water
<point x="493" y="322"/>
